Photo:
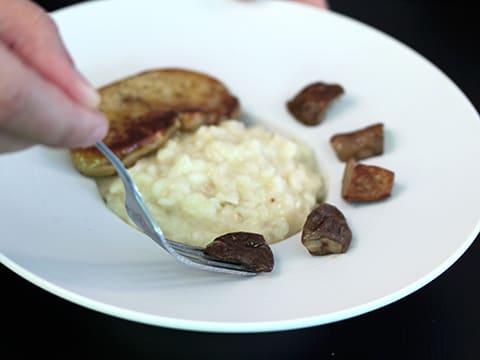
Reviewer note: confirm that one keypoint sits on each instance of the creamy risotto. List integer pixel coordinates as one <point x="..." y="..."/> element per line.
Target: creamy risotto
<point x="221" y="179"/>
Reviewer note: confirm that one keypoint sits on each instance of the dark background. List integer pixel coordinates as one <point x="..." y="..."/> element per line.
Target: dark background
<point x="440" y="321"/>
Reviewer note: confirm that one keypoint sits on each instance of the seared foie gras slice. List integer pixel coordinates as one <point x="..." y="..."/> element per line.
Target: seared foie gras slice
<point x="129" y="140"/>
<point x="144" y="110"/>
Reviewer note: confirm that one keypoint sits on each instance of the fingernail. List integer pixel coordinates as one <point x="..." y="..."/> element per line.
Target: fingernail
<point x="90" y="97"/>
<point x="96" y="135"/>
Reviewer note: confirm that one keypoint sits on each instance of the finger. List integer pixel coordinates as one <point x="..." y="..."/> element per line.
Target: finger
<point x="35" y="110"/>
<point x="318" y="3"/>
<point x="9" y="142"/>
<point x="31" y="33"/>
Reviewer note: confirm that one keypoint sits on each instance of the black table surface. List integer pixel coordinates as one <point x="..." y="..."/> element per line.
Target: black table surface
<point x="439" y="321"/>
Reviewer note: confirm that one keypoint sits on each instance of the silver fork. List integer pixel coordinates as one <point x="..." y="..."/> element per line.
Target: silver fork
<point x="140" y="215"/>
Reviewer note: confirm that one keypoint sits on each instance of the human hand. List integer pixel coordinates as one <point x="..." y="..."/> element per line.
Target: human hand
<point x="318" y="3"/>
<point x="43" y="99"/>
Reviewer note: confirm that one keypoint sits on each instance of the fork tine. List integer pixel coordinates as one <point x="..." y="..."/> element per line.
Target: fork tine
<point x="213" y="262"/>
<point x="180" y="246"/>
<point x="196" y="254"/>
<point x="212" y="265"/>
<point x="222" y="264"/>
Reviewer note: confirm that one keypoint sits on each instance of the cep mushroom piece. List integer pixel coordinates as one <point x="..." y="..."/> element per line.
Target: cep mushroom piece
<point x="311" y="103"/>
<point x="366" y="182"/>
<point x="360" y="144"/>
<point x="326" y="231"/>
<point x="244" y="248"/>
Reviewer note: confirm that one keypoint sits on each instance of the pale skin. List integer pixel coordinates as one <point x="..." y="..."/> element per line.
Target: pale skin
<point x="43" y="97"/>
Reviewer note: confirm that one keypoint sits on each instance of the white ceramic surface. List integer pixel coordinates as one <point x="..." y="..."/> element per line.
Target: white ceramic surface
<point x="57" y="233"/>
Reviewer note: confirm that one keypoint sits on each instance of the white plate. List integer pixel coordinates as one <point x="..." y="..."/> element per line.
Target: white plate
<point x="57" y="233"/>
